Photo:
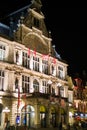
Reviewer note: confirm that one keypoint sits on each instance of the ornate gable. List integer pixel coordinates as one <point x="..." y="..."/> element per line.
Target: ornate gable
<point x="30" y="29"/>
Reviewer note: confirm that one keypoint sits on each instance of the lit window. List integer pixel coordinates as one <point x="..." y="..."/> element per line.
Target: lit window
<point x="1" y="79"/>
<point x="70" y="97"/>
<point x="36" y="86"/>
<point x="25" y="84"/>
<point x="26" y="60"/>
<point x="60" y="72"/>
<point x="35" y="63"/>
<point x="2" y="52"/>
<point x="45" y="66"/>
<point x="45" y="87"/>
<point x="53" y="68"/>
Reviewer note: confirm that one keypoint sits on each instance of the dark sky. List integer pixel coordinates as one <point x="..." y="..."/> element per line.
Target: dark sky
<point x="68" y="28"/>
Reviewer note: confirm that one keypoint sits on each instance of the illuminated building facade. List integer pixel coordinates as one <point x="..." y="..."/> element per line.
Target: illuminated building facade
<point x="80" y="99"/>
<point x="33" y="85"/>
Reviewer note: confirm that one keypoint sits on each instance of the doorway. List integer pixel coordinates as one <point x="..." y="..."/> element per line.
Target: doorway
<point x="28" y="116"/>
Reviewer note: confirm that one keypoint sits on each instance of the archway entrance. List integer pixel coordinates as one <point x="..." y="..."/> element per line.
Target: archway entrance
<point x="63" y="116"/>
<point x="1" y="107"/>
<point x="28" y="116"/>
<point x="53" y="116"/>
<point x="43" y="116"/>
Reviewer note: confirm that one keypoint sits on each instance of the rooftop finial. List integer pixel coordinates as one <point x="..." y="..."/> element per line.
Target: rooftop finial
<point x="49" y="34"/>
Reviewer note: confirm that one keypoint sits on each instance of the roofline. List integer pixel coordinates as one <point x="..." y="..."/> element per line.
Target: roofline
<point x="15" y="12"/>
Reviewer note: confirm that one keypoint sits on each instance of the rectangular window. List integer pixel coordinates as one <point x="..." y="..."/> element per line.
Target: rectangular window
<point x="61" y="91"/>
<point x="35" y="63"/>
<point x="36" y="86"/>
<point x="25" y="84"/>
<point x="45" y="66"/>
<point x="70" y="97"/>
<point x="45" y="87"/>
<point x="2" y="52"/>
<point x="60" y="72"/>
<point x="26" y="60"/>
<point x="1" y="79"/>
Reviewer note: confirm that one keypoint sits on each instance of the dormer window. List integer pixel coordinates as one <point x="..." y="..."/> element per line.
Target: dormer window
<point x="36" y="22"/>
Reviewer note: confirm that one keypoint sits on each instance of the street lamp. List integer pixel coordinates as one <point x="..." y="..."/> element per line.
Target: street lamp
<point x="6" y="110"/>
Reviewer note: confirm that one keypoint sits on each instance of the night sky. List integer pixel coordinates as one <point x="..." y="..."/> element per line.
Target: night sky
<point x="68" y="28"/>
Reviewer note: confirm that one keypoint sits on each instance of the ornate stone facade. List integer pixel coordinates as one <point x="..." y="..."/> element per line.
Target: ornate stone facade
<point x="28" y="62"/>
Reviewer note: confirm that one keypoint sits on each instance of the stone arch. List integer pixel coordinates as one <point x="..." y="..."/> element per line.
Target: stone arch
<point x="28" y="116"/>
<point x="52" y="109"/>
<point x="42" y="108"/>
<point x="52" y="116"/>
<point x="43" y="116"/>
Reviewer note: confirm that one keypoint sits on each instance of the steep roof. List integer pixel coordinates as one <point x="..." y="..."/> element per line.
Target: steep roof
<point x="25" y="23"/>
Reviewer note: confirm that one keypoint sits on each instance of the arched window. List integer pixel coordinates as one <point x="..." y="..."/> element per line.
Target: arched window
<point x="36" y="86"/>
<point x="28" y="116"/>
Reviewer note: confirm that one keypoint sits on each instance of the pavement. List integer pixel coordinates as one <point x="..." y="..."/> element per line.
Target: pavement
<point x="50" y="128"/>
<point x="43" y="128"/>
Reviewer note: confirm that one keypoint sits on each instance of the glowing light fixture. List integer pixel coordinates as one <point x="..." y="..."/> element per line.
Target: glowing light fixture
<point x="6" y="109"/>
